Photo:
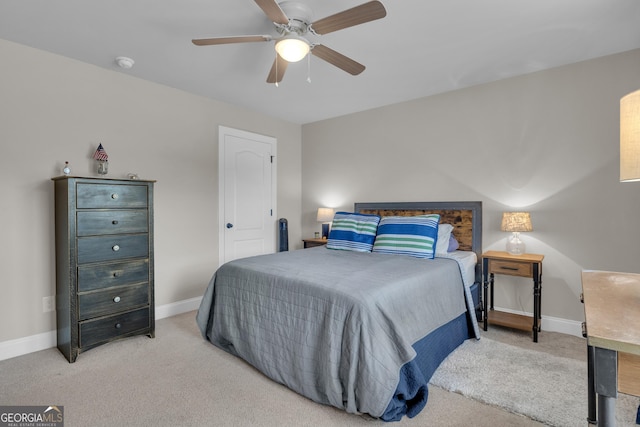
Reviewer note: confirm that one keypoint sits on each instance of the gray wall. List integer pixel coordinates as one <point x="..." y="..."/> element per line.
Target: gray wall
<point x="546" y="142"/>
<point x="54" y="109"/>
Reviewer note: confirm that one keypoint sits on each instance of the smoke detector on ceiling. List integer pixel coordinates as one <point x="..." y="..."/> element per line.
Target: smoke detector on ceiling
<point x="124" y="62"/>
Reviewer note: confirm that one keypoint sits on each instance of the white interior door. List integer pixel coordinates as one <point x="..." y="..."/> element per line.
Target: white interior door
<point x="247" y="194"/>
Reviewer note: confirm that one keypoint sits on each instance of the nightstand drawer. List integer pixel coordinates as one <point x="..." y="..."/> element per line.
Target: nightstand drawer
<point x="111" y="196"/>
<point x="107" y="328"/>
<point x="93" y="277"/>
<point x="513" y="268"/>
<point x="101" y="303"/>
<point x="312" y="243"/>
<point x="92" y="249"/>
<point x="112" y="222"/>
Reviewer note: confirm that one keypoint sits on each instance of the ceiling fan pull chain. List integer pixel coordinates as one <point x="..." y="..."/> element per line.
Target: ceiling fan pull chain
<point x="308" y="68"/>
<point x="277" y="69"/>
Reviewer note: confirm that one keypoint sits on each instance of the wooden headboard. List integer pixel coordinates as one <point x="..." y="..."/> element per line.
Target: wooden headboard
<point x="466" y="218"/>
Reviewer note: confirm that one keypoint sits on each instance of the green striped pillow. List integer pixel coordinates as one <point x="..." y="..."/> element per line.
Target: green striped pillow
<point x="415" y="236"/>
<point x="353" y="232"/>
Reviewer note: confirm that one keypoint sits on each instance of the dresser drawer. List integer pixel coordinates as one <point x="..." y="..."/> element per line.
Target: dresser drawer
<point x="107" y="248"/>
<point x="110" y="196"/>
<point x="107" y="328"/>
<point x="102" y="303"/>
<point x="513" y="268"/>
<point x="92" y="277"/>
<point x="91" y="223"/>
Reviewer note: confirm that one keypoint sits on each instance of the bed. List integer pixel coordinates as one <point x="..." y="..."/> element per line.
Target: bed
<point x="358" y="330"/>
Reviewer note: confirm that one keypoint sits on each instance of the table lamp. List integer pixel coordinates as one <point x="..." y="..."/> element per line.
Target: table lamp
<point x="325" y="216"/>
<point x="516" y="222"/>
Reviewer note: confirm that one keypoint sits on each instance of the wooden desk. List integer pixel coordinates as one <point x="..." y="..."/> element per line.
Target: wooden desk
<point x="612" y="317"/>
<point x="629" y="373"/>
<point x="524" y="265"/>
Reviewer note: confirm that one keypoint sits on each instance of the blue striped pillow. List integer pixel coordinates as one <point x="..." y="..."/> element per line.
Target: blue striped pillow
<point x="408" y="235"/>
<point x="353" y="232"/>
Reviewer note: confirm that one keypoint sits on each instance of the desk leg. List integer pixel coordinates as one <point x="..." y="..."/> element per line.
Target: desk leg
<point x="606" y="385"/>
<point x="607" y="411"/>
<point x="591" y="386"/>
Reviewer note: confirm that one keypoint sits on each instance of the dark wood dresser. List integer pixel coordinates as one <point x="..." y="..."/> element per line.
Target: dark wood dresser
<point x="104" y="261"/>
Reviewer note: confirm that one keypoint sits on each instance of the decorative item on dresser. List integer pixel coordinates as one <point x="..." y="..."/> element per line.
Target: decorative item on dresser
<point x="102" y="160"/>
<point x="104" y="261"/>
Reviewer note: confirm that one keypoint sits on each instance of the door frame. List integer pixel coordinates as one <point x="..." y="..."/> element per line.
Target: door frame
<point x="222" y="131"/>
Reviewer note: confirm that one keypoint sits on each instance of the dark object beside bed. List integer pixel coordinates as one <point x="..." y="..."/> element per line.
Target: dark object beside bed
<point x="358" y="331"/>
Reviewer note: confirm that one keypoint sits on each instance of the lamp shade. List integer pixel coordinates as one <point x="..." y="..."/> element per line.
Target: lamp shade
<point x="292" y="48"/>
<point x="516" y="221"/>
<point x="630" y="137"/>
<point x="325" y="215"/>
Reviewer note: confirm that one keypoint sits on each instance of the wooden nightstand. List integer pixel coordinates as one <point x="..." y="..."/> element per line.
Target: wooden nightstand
<point x="311" y="243"/>
<point x="525" y="265"/>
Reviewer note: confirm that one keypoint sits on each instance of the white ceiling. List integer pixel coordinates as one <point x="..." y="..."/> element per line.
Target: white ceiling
<point x="422" y="47"/>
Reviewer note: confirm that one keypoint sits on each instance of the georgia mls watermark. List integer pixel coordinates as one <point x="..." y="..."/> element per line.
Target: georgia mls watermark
<point x="31" y="416"/>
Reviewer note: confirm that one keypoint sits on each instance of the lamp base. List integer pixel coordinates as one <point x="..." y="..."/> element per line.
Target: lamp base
<point x="325" y="231"/>
<point x="515" y="246"/>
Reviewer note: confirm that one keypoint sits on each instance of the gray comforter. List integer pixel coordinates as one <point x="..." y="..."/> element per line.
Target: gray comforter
<point x="334" y="326"/>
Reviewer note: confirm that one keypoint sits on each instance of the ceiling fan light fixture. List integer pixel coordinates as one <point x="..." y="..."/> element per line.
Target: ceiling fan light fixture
<point x="292" y="48"/>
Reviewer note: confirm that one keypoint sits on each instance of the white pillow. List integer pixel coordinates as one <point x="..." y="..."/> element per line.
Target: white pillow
<point x="444" y="234"/>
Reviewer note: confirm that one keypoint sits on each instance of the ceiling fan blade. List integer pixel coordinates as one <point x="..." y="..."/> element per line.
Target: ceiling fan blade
<point x="280" y="65"/>
<point x="366" y="12"/>
<point x="227" y="40"/>
<point x="337" y="59"/>
<point x="273" y="11"/>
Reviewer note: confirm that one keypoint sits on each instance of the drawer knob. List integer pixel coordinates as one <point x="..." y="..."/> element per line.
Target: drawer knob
<point x="115" y="196"/>
<point x="114" y="222"/>
<point x="116" y="299"/>
<point x="115" y="248"/>
<point x="118" y="326"/>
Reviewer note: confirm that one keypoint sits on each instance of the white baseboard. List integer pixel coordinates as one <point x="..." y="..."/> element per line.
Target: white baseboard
<point x="25" y="345"/>
<point x="176" y="308"/>
<point x="553" y="324"/>
<point x="45" y="340"/>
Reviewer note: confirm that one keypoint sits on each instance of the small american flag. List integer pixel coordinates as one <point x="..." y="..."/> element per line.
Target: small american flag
<point x="100" y="154"/>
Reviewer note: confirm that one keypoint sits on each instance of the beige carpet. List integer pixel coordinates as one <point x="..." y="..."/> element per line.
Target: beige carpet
<point x="179" y="379"/>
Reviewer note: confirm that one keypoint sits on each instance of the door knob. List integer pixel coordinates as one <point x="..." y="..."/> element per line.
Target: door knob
<point x="229" y="225"/>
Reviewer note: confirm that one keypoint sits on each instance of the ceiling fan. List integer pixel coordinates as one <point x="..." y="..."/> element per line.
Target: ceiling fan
<point x="292" y="20"/>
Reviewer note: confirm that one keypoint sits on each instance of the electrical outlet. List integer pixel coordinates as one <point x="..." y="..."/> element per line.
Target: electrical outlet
<point x="48" y="304"/>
